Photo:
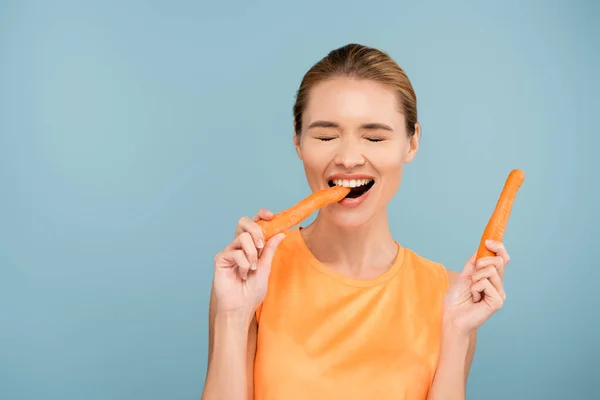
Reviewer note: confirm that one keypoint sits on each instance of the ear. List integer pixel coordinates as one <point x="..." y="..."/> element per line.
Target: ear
<point x="297" y="145"/>
<point x="413" y="144"/>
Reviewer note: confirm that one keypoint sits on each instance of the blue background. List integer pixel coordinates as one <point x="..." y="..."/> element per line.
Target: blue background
<point x="133" y="135"/>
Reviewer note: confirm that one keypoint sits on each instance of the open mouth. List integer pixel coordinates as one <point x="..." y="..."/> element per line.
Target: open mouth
<point x="358" y="186"/>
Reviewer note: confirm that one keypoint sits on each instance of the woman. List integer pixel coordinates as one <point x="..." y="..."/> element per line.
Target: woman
<point x="338" y="309"/>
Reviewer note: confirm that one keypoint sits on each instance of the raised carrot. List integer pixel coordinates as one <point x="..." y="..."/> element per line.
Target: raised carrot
<point x="301" y="210"/>
<point x="497" y="223"/>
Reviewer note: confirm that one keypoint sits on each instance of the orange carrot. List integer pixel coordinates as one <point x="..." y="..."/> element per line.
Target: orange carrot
<point x="302" y="210"/>
<point x="499" y="219"/>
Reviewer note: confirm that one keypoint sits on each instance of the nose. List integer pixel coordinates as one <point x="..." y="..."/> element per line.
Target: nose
<point x="349" y="154"/>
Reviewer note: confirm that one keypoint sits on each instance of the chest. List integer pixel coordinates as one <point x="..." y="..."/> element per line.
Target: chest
<point x="365" y="343"/>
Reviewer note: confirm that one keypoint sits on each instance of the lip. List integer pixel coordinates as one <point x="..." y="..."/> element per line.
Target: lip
<point x="349" y="202"/>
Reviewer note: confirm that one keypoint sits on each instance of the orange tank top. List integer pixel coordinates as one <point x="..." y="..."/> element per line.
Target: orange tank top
<point x="322" y="335"/>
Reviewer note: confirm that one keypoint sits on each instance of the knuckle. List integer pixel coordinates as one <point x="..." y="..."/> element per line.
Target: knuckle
<point x="243" y="221"/>
<point x="484" y="272"/>
<point x="244" y="237"/>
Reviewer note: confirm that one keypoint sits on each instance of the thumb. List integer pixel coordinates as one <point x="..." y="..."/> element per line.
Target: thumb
<point x="268" y="252"/>
<point x="469" y="267"/>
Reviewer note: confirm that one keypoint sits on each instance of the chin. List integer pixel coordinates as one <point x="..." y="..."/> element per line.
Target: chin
<point x="350" y="220"/>
<point x="352" y="216"/>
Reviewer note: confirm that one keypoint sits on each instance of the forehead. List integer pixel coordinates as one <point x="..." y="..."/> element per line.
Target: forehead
<point x="349" y="101"/>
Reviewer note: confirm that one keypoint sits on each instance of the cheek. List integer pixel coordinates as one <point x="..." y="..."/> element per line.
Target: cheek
<point x="315" y="160"/>
<point x="389" y="165"/>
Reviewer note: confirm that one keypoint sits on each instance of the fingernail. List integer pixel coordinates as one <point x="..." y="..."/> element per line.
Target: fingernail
<point x="260" y="243"/>
<point x="253" y="266"/>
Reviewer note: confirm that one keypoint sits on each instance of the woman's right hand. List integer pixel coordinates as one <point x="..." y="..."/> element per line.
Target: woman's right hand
<point x="242" y="269"/>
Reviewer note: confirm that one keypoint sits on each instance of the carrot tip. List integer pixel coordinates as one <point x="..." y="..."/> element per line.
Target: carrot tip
<point x="496" y="225"/>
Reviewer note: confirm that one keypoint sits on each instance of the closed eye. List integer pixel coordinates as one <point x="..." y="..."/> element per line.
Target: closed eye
<point x="325" y="139"/>
<point x="375" y="139"/>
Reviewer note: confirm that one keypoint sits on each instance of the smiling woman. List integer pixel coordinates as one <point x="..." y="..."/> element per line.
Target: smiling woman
<point x="356" y="129"/>
<point x="338" y="308"/>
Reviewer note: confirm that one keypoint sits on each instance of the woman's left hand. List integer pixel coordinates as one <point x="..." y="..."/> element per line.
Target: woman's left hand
<point x="478" y="291"/>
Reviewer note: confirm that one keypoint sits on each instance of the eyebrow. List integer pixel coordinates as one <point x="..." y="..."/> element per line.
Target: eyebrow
<point x="370" y="126"/>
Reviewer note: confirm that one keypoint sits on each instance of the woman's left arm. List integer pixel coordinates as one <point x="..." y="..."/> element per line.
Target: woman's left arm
<point x="473" y="297"/>
<point x="456" y="355"/>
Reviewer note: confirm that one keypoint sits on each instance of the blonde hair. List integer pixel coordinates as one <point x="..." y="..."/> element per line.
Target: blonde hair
<point x="362" y="62"/>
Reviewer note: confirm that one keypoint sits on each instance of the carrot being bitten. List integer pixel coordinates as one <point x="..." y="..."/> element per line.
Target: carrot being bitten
<point x="497" y="223"/>
<point x="302" y="210"/>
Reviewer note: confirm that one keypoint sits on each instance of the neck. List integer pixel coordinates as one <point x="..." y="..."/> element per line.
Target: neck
<point x="363" y="252"/>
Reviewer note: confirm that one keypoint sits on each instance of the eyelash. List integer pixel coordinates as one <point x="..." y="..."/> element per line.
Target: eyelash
<point x="374" y="140"/>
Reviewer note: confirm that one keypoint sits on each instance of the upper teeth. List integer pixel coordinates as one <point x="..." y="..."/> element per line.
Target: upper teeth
<point x="351" y="182"/>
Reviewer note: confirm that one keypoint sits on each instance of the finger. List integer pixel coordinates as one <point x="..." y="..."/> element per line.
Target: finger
<point x="469" y="266"/>
<point x="266" y="258"/>
<point x="495" y="261"/>
<point x="499" y="249"/>
<point x="490" y="273"/>
<point x="231" y="259"/>
<point x="262" y="214"/>
<point x="477" y="296"/>
<point x="492" y="297"/>
<point x="245" y="224"/>
<point x="239" y="257"/>
<point x="247" y="245"/>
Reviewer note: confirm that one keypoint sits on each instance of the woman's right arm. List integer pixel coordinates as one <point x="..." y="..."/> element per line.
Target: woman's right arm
<point x="231" y="351"/>
<point x="240" y="281"/>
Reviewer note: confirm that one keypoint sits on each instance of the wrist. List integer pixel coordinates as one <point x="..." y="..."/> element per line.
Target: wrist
<point x="234" y="318"/>
<point x="453" y="331"/>
<point x="454" y="346"/>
